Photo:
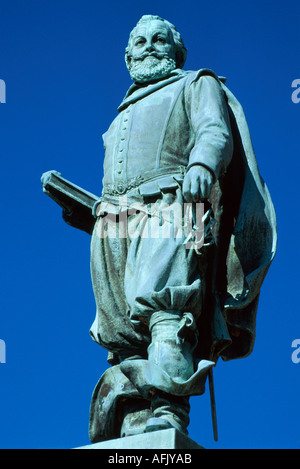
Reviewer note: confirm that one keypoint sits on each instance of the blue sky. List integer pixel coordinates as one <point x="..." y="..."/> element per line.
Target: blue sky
<point x="63" y="65"/>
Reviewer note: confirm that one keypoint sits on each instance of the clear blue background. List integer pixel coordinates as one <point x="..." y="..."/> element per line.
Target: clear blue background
<point x="63" y="64"/>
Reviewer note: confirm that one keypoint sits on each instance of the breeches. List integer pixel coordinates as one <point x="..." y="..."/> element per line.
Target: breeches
<point x="140" y="264"/>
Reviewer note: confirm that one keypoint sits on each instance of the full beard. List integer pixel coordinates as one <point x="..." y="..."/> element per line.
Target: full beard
<point x="151" y="68"/>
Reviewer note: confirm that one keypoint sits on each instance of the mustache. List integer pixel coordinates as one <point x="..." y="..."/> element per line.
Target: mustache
<point x="157" y="55"/>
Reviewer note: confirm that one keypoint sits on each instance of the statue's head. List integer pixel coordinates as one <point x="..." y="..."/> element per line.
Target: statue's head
<point x="155" y="48"/>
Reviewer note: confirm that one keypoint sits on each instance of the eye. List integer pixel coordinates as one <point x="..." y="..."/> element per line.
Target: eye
<point x="161" y="40"/>
<point x="139" y="42"/>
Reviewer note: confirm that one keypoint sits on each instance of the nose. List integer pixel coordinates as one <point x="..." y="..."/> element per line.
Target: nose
<point x="149" y="47"/>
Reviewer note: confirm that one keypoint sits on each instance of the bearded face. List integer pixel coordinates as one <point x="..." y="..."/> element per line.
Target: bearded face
<point x="151" y="54"/>
<point x="151" y="67"/>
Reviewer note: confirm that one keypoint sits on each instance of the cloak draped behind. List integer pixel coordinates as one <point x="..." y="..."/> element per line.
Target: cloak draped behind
<point x="246" y="241"/>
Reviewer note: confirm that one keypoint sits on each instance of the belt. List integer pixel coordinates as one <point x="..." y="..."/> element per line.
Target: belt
<point x="122" y="187"/>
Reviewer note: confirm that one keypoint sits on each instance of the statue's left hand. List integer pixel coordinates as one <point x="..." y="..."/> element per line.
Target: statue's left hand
<point x="197" y="184"/>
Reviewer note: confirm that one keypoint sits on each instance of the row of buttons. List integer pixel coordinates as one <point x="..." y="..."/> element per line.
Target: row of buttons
<point x="123" y="138"/>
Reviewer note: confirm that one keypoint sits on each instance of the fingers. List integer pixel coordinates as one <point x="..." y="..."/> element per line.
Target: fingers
<point x="186" y="188"/>
<point x="205" y="186"/>
<point x="196" y="189"/>
<point x="196" y="186"/>
<point x="191" y="189"/>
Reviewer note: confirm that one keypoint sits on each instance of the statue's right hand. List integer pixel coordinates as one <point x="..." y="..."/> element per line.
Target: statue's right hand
<point x="46" y="176"/>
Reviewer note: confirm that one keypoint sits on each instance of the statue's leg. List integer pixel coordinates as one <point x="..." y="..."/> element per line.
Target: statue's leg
<point x="135" y="414"/>
<point x="173" y="338"/>
<point x="162" y="282"/>
<point x="169" y="412"/>
<point x="112" y="328"/>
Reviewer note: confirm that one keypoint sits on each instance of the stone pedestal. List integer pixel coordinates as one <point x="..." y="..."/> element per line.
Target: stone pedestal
<point x="162" y="439"/>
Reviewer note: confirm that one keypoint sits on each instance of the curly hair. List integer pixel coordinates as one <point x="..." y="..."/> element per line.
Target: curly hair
<point x="181" y="51"/>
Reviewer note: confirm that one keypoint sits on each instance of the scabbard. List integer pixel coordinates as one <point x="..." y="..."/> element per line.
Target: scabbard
<point x="213" y="403"/>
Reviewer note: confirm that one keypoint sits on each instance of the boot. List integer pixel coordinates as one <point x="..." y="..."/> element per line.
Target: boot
<point x="135" y="415"/>
<point x="173" y="339"/>
<point x="168" y="412"/>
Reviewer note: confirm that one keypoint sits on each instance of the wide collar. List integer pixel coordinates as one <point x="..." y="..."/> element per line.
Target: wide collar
<point x="140" y="90"/>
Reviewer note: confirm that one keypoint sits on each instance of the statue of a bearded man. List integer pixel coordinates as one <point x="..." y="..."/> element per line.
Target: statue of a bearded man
<point x="177" y="155"/>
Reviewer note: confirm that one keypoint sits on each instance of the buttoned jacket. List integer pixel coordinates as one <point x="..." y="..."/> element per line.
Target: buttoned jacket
<point x="164" y="127"/>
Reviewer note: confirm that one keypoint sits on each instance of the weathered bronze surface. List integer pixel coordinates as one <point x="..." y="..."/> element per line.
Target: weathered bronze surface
<point x="182" y="238"/>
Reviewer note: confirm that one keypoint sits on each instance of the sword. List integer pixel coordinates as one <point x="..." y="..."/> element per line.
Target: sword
<point x="213" y="403"/>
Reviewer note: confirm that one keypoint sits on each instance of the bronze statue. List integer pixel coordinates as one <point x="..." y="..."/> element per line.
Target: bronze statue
<point x="168" y="306"/>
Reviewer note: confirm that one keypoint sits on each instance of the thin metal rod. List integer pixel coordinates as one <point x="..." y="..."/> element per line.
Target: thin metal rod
<point x="213" y="403"/>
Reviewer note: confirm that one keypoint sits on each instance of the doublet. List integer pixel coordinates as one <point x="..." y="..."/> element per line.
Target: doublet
<point x="164" y="127"/>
